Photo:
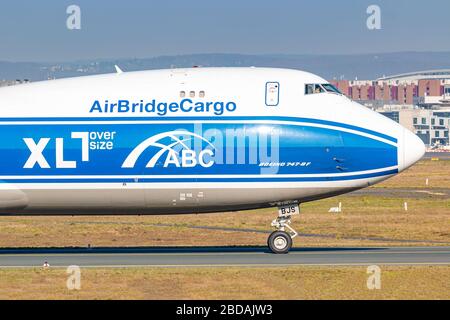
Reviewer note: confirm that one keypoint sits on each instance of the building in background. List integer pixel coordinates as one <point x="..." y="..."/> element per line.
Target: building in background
<point x="432" y="126"/>
<point x="7" y="83"/>
<point x="420" y="101"/>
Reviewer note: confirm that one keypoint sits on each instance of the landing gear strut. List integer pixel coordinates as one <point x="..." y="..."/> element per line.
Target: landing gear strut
<point x="280" y="241"/>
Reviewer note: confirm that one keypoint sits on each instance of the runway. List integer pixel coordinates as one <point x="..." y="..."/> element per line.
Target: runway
<point x="222" y="257"/>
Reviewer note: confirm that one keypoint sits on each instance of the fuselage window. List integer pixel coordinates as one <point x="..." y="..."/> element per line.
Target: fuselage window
<point x="201" y="94"/>
<point x="192" y="94"/>
<point x="182" y="94"/>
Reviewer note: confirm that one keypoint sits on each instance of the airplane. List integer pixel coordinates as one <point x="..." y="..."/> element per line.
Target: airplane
<point x="194" y="140"/>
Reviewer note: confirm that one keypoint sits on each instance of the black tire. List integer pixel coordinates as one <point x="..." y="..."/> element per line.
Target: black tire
<point x="280" y="242"/>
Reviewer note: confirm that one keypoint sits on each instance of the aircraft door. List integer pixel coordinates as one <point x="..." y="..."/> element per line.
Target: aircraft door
<point x="272" y="94"/>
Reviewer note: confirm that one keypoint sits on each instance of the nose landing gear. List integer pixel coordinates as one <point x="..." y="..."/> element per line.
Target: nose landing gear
<point x="280" y="241"/>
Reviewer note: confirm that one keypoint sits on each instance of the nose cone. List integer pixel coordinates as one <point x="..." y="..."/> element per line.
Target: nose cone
<point x="412" y="149"/>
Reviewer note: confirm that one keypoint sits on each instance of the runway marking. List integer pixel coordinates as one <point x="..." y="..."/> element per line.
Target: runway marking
<point x="431" y="193"/>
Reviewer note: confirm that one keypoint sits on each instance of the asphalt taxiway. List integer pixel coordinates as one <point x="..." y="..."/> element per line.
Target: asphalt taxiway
<point x="222" y="256"/>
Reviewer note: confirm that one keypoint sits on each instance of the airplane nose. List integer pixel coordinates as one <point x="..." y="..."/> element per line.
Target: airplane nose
<point x="413" y="150"/>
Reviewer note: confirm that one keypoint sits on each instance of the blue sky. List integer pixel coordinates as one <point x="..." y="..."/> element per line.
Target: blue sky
<point x="36" y="30"/>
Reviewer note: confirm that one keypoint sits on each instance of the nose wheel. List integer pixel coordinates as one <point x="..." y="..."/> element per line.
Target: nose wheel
<point x="280" y="241"/>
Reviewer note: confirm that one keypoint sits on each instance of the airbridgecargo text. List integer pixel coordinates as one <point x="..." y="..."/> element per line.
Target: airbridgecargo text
<point x="162" y="108"/>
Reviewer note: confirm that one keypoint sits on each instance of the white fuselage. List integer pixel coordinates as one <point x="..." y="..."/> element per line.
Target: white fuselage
<point x="189" y="140"/>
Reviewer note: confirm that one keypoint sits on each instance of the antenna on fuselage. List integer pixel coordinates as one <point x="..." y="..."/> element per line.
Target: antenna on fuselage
<point x="118" y="70"/>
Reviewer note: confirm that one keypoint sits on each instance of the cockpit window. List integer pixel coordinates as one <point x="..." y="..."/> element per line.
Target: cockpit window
<point x="330" y="88"/>
<point x="309" y="89"/>
<point x="315" y="88"/>
<point x="318" y="88"/>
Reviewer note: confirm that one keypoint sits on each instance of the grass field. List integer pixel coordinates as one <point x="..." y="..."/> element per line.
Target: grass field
<point x="228" y="283"/>
<point x="365" y="220"/>
<point x="437" y="173"/>
<point x="362" y="218"/>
